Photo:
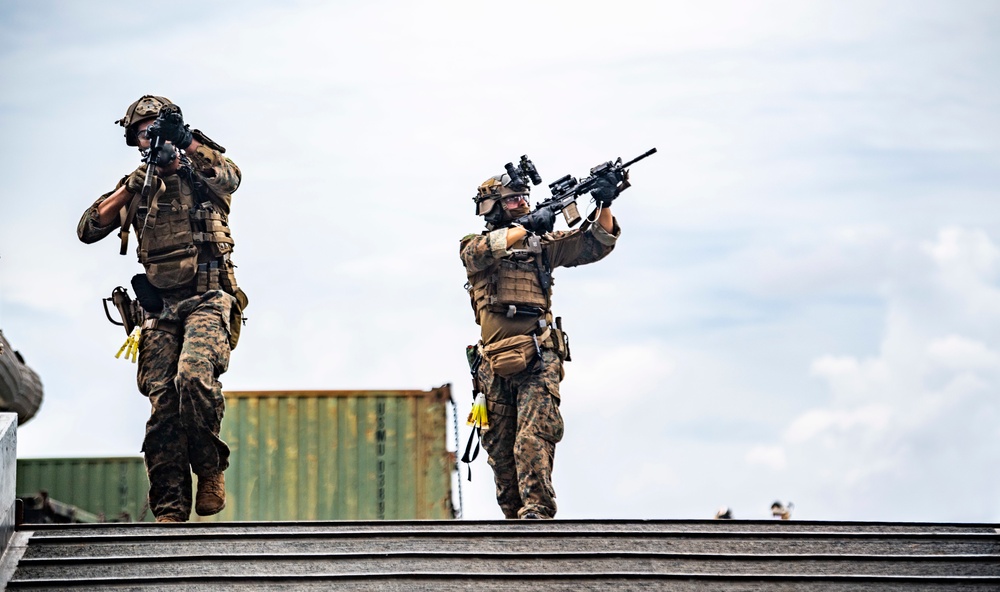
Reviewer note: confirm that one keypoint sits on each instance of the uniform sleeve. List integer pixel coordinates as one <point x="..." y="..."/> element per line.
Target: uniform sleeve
<point x="221" y="174"/>
<point x="88" y="230"/>
<point x="480" y="251"/>
<point x="580" y="247"/>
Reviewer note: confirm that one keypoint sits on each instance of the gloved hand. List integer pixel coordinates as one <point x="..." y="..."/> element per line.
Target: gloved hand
<point x="606" y="188"/>
<point x="136" y="180"/>
<point x="166" y="156"/>
<point x="170" y="126"/>
<point x="539" y="221"/>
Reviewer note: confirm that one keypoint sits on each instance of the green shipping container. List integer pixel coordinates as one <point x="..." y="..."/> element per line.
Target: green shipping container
<point x="296" y="455"/>
<point x="338" y="455"/>
<point x="112" y="488"/>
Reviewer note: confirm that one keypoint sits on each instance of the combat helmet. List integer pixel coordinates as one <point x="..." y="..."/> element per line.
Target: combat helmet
<point x="491" y="191"/>
<point x="147" y="107"/>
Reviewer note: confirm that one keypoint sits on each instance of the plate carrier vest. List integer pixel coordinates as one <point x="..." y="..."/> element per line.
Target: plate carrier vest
<point x="183" y="237"/>
<point x="514" y="284"/>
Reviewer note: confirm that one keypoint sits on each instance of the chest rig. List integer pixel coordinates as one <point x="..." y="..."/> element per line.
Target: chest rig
<point x="518" y="285"/>
<point x="184" y="236"/>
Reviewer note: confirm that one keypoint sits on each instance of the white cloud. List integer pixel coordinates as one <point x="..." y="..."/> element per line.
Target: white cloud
<point x="966" y="249"/>
<point x="772" y="457"/>
<point x="836" y="423"/>
<point x="958" y="352"/>
<point x="621" y="375"/>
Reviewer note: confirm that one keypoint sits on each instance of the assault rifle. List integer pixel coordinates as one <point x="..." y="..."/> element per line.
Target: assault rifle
<point x="566" y="190"/>
<point x="159" y="154"/>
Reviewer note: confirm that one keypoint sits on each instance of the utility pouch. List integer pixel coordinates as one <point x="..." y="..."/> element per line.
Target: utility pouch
<point x="227" y="277"/>
<point x="561" y="341"/>
<point x="173" y="268"/>
<point x="236" y="318"/>
<point x="512" y="355"/>
<point x="557" y="341"/>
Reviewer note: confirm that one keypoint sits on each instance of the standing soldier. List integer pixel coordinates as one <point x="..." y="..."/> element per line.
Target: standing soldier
<point x="191" y="305"/>
<point x="509" y="267"/>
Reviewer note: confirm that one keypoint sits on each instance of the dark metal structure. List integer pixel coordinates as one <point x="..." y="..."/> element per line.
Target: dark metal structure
<point x="113" y="489"/>
<point x="20" y="387"/>
<point x="718" y="555"/>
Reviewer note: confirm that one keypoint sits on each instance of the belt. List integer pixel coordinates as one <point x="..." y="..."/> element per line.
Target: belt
<point x="172" y="327"/>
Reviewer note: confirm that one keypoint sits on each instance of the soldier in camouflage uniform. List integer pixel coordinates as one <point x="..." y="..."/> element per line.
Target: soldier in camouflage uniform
<point x="509" y="269"/>
<point x="192" y="307"/>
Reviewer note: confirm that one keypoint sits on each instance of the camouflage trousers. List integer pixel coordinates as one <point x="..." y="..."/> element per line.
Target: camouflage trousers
<point x="525" y="426"/>
<point x="179" y="367"/>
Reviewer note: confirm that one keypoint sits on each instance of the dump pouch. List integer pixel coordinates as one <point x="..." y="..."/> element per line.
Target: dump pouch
<point x="236" y="319"/>
<point x="509" y="356"/>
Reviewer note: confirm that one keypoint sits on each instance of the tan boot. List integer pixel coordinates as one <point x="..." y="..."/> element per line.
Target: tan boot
<point x="169" y="518"/>
<point x="211" y="497"/>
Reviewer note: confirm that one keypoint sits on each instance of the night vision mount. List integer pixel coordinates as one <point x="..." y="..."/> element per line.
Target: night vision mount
<point x="525" y="168"/>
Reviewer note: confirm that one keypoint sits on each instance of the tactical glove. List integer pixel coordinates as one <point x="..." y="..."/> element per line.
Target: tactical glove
<point x="539" y="221"/>
<point x="170" y="126"/>
<point x="606" y="188"/>
<point x="165" y="156"/>
<point x="135" y="181"/>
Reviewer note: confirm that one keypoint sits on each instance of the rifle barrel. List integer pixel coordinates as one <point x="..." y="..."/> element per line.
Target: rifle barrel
<point x="649" y="152"/>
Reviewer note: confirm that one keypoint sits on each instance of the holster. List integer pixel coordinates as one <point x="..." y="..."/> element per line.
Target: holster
<point x="129" y="310"/>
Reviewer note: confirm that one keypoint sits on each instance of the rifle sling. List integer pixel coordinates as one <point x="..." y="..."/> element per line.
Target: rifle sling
<point x="127" y="215"/>
<point x="469" y="456"/>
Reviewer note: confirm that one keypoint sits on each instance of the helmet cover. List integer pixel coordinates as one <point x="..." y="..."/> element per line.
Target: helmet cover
<point x="147" y="107"/>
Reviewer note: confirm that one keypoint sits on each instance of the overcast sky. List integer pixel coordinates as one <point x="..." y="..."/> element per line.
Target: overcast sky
<point x="804" y="303"/>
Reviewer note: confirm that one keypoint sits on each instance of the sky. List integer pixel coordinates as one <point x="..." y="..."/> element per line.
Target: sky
<point x="804" y="304"/>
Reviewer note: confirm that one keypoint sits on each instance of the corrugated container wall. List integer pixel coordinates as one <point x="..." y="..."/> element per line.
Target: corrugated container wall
<point x="296" y="455"/>
<point x="337" y="455"/>
<point x="113" y="488"/>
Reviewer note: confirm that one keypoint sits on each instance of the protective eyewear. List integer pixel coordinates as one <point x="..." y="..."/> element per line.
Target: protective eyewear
<point x="514" y="200"/>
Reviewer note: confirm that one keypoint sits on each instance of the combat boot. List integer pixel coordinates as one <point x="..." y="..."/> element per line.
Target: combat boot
<point x="169" y="518"/>
<point x="211" y="497"/>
